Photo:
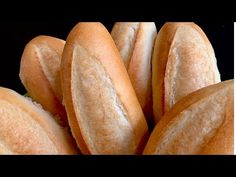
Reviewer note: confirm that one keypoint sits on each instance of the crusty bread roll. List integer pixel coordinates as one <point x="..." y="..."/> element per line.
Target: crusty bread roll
<point x="200" y="123"/>
<point x="183" y="61"/>
<point x="40" y="74"/>
<point x="103" y="110"/>
<point x="27" y="129"/>
<point x="135" y="42"/>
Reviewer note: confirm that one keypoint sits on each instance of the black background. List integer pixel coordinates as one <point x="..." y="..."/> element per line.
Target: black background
<point x="16" y="33"/>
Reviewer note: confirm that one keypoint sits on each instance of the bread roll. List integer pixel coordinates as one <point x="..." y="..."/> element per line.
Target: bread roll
<point x="27" y="129"/>
<point x="40" y="74"/>
<point x="135" y="41"/>
<point x="200" y="123"/>
<point x="103" y="110"/>
<point x="183" y="62"/>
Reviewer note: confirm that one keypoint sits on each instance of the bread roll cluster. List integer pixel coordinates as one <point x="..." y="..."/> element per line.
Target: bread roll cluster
<point x="136" y="90"/>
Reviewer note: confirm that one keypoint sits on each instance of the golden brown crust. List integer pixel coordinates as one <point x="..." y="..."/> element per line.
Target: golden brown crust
<point x="90" y="56"/>
<point x="40" y="73"/>
<point x="124" y="35"/>
<point x="200" y="123"/>
<point x="183" y="61"/>
<point x="28" y="129"/>
<point x="222" y="142"/>
<point x="135" y="41"/>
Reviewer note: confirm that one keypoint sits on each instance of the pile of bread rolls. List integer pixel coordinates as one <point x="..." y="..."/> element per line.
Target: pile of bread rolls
<point x="132" y="91"/>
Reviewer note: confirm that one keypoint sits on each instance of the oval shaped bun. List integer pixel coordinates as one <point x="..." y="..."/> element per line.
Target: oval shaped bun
<point x="135" y="42"/>
<point x="27" y="129"/>
<point x="40" y="74"/>
<point x="183" y="62"/>
<point x="200" y="123"/>
<point x="103" y="110"/>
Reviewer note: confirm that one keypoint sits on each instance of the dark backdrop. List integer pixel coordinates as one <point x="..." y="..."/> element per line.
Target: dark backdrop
<point x="16" y="33"/>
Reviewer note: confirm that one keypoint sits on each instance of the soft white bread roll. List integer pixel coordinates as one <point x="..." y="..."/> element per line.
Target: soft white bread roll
<point x="183" y="61"/>
<point x="103" y="110"/>
<point x="40" y="74"/>
<point x="27" y="129"/>
<point x="135" y="42"/>
<point x="200" y="123"/>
